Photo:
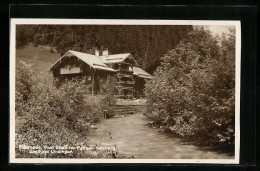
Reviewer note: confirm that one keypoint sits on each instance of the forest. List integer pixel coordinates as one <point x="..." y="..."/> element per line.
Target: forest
<point x="146" y="43"/>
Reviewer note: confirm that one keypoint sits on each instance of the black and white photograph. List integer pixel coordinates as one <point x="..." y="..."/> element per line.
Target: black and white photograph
<point x="124" y="91"/>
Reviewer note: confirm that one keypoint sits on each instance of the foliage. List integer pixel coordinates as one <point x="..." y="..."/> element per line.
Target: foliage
<point x="72" y="99"/>
<point x="192" y="93"/>
<point x="23" y="85"/>
<point x="49" y="116"/>
<point x="145" y="43"/>
<point x="107" y="90"/>
<point x="23" y="36"/>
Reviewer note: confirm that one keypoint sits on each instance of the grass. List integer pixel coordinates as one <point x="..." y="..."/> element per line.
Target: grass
<point x="45" y="58"/>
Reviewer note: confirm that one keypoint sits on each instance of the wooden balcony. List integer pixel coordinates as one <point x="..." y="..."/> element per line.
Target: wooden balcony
<point x="71" y="70"/>
<point x="125" y="82"/>
<point x="130" y="76"/>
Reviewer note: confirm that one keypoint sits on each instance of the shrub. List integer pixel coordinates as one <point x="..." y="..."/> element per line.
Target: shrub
<point x="23" y="85"/>
<point x="49" y="116"/>
<point x="192" y="93"/>
<point x="36" y="122"/>
<point x="107" y="91"/>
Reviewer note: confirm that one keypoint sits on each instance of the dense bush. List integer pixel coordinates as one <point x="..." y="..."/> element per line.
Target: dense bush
<point x="49" y="116"/>
<point x="23" y="86"/>
<point x="107" y="91"/>
<point x="192" y="93"/>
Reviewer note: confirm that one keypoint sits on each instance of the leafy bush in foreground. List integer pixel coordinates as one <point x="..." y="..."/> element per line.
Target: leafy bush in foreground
<point x="47" y="116"/>
<point x="192" y="93"/>
<point x="107" y="91"/>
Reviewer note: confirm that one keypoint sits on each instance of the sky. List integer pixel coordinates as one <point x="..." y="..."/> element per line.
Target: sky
<point x="220" y="29"/>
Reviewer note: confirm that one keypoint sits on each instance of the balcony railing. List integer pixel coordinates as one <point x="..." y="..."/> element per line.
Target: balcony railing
<point x="130" y="76"/>
<point x="124" y="86"/>
<point x="70" y="70"/>
<point x="125" y="82"/>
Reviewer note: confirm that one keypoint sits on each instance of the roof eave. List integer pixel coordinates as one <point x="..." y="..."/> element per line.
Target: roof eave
<point x="59" y="60"/>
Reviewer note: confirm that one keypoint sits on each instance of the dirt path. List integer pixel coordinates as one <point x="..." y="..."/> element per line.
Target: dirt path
<point x="133" y="136"/>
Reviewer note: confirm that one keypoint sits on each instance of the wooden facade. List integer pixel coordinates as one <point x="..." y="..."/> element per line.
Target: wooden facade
<point x="130" y="80"/>
<point x="125" y="80"/>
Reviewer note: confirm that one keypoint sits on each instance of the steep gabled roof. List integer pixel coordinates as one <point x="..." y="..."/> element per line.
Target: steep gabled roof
<point x="88" y="58"/>
<point x="115" y="58"/>
<point x="92" y="60"/>
<point x="99" y="62"/>
<point x="141" y="73"/>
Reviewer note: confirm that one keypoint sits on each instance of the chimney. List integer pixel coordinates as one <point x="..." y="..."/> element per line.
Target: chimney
<point x="96" y="52"/>
<point x="105" y="52"/>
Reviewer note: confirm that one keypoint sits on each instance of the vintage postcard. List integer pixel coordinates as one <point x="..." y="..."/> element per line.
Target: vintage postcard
<point x="124" y="91"/>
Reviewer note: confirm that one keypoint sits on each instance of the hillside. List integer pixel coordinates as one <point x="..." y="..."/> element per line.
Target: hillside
<point x="44" y="57"/>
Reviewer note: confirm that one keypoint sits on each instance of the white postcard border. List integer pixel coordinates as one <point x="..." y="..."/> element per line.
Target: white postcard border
<point x="15" y="21"/>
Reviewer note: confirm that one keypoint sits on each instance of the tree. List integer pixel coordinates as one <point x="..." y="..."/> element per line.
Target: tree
<point x="22" y="37"/>
<point x="192" y="93"/>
